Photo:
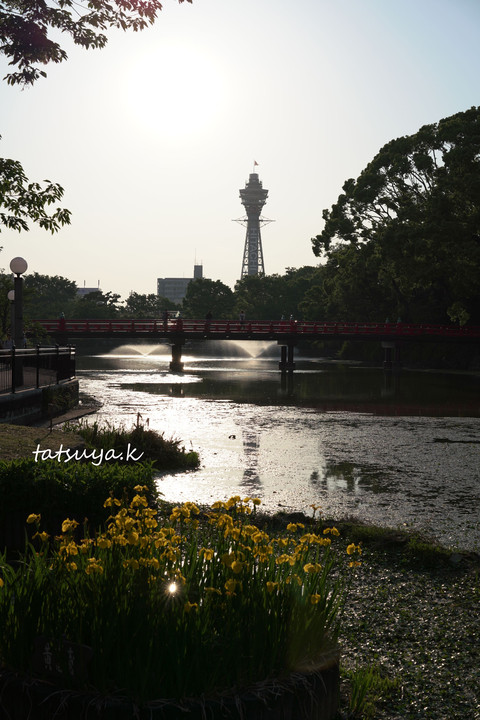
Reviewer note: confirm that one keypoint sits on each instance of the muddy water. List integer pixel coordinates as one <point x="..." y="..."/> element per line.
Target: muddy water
<point x="394" y="449"/>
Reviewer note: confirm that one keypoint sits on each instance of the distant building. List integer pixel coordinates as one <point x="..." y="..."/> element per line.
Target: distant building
<point x="175" y="289"/>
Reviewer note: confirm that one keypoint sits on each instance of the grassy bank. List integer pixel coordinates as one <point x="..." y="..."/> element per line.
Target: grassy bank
<point x="20" y="441"/>
<point x="112" y="443"/>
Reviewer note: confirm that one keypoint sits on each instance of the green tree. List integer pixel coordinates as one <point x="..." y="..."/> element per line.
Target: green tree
<point x="297" y="284"/>
<point x="314" y="303"/>
<point x="146" y="306"/>
<point x="46" y="296"/>
<point x="413" y="217"/>
<point x="347" y="288"/>
<point x="260" y="297"/>
<point x="29" y="33"/>
<point x="268" y="297"/>
<point x="208" y="296"/>
<point x="95" y="305"/>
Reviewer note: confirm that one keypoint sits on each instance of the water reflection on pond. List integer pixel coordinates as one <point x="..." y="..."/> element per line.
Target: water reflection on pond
<point x="389" y="448"/>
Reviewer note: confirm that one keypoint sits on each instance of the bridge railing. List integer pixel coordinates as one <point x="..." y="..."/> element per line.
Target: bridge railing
<point x="27" y="368"/>
<point x="258" y="327"/>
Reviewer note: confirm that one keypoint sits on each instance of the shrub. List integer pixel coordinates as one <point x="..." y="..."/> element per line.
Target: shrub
<point x="57" y="490"/>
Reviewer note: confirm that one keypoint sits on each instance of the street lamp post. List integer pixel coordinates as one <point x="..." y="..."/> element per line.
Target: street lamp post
<point x="18" y="266"/>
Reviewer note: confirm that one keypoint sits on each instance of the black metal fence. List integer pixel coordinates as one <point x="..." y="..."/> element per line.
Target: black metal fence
<point x="26" y="368"/>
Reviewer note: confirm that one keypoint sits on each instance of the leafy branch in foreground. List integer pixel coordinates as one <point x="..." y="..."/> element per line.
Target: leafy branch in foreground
<point x="21" y="200"/>
<point x="25" y="40"/>
<point x="25" y="29"/>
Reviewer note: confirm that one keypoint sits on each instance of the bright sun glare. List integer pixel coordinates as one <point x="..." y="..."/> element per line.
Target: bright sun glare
<point x="174" y="90"/>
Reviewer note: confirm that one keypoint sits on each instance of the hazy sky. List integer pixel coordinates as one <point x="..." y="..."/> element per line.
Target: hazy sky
<point x="153" y="136"/>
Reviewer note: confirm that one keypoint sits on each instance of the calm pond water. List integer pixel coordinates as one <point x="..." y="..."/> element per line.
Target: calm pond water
<point x="398" y="449"/>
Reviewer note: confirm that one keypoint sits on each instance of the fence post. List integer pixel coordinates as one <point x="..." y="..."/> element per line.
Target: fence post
<point x="71" y="362"/>
<point x="57" y="348"/>
<point x="13" y="368"/>
<point x="37" y="377"/>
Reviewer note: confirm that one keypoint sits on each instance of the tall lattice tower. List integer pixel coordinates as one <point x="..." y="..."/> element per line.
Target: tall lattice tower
<point x="253" y="198"/>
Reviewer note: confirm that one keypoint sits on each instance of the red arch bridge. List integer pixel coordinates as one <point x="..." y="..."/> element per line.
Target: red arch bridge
<point x="286" y="333"/>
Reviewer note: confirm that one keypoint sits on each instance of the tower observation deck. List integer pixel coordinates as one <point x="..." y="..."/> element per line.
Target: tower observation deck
<point x="253" y="198"/>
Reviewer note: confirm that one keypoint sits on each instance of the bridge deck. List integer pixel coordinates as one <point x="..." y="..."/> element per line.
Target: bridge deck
<point x="280" y="331"/>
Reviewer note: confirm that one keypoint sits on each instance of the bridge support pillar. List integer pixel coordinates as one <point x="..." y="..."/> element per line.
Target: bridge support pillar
<point x="391" y="357"/>
<point x="286" y="383"/>
<point x="176" y="364"/>
<point x="287" y="363"/>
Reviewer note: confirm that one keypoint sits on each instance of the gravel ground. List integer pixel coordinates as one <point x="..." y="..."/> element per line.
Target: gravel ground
<point x="414" y="615"/>
<point x="412" y="618"/>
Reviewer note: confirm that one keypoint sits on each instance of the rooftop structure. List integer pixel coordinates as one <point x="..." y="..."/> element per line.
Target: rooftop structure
<point x="81" y="292"/>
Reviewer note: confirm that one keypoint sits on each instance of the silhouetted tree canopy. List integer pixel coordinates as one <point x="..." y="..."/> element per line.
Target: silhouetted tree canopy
<point x="411" y="224"/>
